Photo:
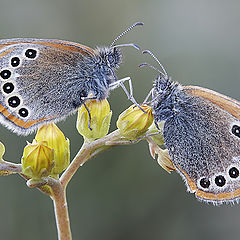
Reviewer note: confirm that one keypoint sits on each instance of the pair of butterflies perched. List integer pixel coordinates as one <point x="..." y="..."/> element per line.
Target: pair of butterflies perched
<point x="45" y="80"/>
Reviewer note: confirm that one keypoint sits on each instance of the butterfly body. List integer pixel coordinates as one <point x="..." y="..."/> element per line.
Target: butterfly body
<point x="45" y="80"/>
<point x="202" y="134"/>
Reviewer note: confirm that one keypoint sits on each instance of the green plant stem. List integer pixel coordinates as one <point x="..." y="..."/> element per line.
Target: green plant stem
<point x="87" y="151"/>
<point x="10" y="167"/>
<point x="61" y="210"/>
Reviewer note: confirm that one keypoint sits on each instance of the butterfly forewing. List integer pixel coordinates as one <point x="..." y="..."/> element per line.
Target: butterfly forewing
<point x="34" y="76"/>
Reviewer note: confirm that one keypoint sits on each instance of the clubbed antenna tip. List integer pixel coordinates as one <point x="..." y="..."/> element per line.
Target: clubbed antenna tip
<point x="156" y="59"/>
<point x="126" y="31"/>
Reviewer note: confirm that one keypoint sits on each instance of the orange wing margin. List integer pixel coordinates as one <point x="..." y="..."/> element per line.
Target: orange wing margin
<point x="69" y="46"/>
<point x="210" y="196"/>
<point x="226" y="103"/>
<point x="18" y="121"/>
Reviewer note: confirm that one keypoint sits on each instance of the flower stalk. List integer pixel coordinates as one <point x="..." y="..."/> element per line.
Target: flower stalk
<point x="49" y="155"/>
<point x="61" y="210"/>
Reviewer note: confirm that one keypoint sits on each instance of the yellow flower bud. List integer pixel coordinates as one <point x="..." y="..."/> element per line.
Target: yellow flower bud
<point x="37" y="160"/>
<point x="158" y="138"/>
<point x="133" y="122"/>
<point x="100" y="119"/>
<point x="2" y="150"/>
<point x="56" y="140"/>
<point x="165" y="161"/>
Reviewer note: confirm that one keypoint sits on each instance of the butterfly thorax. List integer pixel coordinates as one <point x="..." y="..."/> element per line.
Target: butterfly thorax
<point x="165" y="97"/>
<point x="101" y="74"/>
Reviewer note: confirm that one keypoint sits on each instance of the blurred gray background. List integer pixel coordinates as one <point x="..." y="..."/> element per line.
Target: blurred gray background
<point x="123" y="193"/>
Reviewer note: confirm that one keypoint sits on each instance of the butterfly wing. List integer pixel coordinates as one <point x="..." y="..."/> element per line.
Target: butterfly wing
<point x="226" y="103"/>
<point x="203" y="140"/>
<point x="61" y="44"/>
<point x="40" y="81"/>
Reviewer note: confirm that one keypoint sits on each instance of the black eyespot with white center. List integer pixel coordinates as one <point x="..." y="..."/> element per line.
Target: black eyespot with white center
<point x="14" y="101"/>
<point x="15" y="61"/>
<point x="8" y="87"/>
<point x="233" y="172"/>
<point x="236" y="130"/>
<point x="31" y="53"/>
<point x="23" y="112"/>
<point x="5" y="74"/>
<point x="220" y="181"/>
<point x="205" y="183"/>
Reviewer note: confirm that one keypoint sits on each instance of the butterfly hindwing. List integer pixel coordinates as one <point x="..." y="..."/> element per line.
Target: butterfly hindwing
<point x="203" y="145"/>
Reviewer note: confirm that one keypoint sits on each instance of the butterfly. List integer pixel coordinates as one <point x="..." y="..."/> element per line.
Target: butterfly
<point x="45" y="80"/>
<point x="201" y="130"/>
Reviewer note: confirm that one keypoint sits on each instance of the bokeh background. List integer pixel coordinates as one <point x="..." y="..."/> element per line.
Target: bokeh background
<point x="123" y="193"/>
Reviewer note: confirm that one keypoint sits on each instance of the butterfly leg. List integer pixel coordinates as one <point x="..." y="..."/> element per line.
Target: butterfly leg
<point x="148" y="96"/>
<point x="84" y="99"/>
<point x="89" y="115"/>
<point x="128" y="93"/>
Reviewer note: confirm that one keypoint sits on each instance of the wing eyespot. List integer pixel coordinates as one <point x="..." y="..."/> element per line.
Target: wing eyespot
<point x="5" y="74"/>
<point x="15" y="61"/>
<point x="233" y="172"/>
<point x="236" y="130"/>
<point x="220" y="180"/>
<point x="23" y="112"/>
<point x="31" y="53"/>
<point x="8" y="87"/>
<point x="204" y="183"/>
<point x="14" y="101"/>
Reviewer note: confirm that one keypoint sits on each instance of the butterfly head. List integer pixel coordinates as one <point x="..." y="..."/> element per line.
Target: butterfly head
<point x="164" y="92"/>
<point x="110" y="57"/>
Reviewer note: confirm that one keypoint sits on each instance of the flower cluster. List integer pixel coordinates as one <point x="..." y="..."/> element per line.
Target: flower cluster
<point x="49" y="155"/>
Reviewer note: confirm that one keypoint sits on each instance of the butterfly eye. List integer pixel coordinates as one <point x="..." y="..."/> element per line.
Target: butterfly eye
<point x="205" y="183"/>
<point x="23" y="112"/>
<point x="14" y="101"/>
<point x="236" y="130"/>
<point x="233" y="172"/>
<point x="15" y="61"/>
<point x="8" y="87"/>
<point x="110" y="59"/>
<point x="5" y="74"/>
<point x="31" y="53"/>
<point x="220" y="181"/>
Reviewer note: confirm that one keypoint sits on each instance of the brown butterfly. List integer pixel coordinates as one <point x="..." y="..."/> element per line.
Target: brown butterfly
<point x="45" y="80"/>
<point x="202" y="134"/>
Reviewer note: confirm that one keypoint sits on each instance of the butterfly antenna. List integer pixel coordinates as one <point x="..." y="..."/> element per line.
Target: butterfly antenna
<point x="148" y="65"/>
<point x="126" y="31"/>
<point x="150" y="53"/>
<point x="127" y="45"/>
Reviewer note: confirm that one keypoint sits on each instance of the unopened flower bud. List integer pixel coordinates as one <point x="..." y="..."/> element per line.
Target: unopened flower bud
<point x="56" y="140"/>
<point x="157" y="133"/>
<point x="2" y="150"/>
<point x="133" y="122"/>
<point x="163" y="159"/>
<point x="37" y="160"/>
<point x="99" y="125"/>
